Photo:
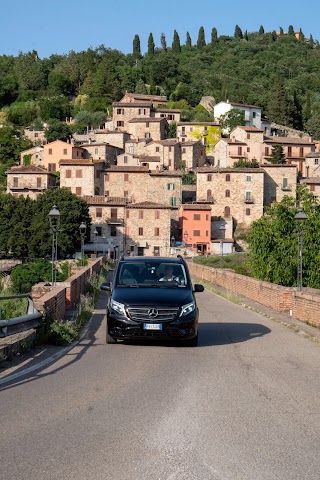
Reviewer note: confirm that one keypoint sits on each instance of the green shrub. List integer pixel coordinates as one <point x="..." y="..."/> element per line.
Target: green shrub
<point x="62" y="333"/>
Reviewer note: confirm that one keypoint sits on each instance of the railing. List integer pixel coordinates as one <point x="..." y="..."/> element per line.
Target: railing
<point x="115" y="221"/>
<point x="32" y="318"/>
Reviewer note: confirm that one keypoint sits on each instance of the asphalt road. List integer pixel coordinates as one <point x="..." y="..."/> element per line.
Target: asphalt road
<point x="243" y="405"/>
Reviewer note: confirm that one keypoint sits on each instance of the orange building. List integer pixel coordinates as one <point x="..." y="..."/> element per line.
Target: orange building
<point x="195" y="226"/>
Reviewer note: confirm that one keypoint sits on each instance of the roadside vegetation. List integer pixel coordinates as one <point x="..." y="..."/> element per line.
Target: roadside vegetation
<point x="238" y="262"/>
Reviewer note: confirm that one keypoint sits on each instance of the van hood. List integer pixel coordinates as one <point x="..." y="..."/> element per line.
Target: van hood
<point x="172" y="296"/>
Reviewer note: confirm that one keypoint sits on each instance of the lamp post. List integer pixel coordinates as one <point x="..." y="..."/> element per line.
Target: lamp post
<point x="300" y="220"/>
<point x="54" y="220"/>
<point x="83" y="228"/>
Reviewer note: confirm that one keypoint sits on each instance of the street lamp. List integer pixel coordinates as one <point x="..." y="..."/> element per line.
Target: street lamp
<point x="54" y="220"/>
<point x="83" y="228"/>
<point x="300" y="220"/>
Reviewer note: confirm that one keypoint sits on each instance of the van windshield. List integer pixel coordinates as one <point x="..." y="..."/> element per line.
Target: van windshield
<point x="162" y="274"/>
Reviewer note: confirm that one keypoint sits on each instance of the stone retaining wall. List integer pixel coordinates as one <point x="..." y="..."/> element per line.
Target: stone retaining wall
<point x="304" y="305"/>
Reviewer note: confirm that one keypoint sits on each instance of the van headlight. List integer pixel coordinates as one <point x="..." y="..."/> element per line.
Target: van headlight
<point x="117" y="307"/>
<point x="186" y="309"/>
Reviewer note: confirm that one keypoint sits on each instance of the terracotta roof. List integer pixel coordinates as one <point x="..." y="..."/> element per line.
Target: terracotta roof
<point x="233" y="142"/>
<point x="94" y="144"/>
<point x="169" y="142"/>
<point x="100" y="200"/>
<point x="313" y="155"/>
<point x="212" y="124"/>
<point x="250" y="129"/>
<point x="195" y="206"/>
<point x="28" y="169"/>
<point x="287" y="140"/>
<point x="190" y="143"/>
<point x="148" y="158"/>
<point x="120" y="168"/>
<point x="132" y="104"/>
<point x="228" y="170"/>
<point x="169" y="110"/>
<point x="310" y="180"/>
<point x="151" y="205"/>
<point x="277" y="165"/>
<point x="81" y="161"/>
<point x="147" y="119"/>
<point x="167" y="173"/>
<point x="141" y="96"/>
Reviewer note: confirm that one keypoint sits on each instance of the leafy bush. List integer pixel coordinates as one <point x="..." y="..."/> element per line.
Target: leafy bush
<point x="24" y="277"/>
<point x="61" y="333"/>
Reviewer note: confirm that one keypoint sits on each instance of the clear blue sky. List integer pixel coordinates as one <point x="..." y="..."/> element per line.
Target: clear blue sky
<point x="58" y="26"/>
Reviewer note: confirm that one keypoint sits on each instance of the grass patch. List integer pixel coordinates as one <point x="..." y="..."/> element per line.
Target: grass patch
<point x="238" y="262"/>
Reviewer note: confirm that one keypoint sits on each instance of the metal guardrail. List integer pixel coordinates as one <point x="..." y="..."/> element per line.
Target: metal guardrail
<point x="32" y="318"/>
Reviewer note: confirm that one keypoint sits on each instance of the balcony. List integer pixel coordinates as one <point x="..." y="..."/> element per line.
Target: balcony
<point x="248" y="199"/>
<point x="286" y="188"/>
<point x="115" y="221"/>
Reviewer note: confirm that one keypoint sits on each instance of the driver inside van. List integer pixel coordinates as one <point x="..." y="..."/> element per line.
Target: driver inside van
<point x="169" y="277"/>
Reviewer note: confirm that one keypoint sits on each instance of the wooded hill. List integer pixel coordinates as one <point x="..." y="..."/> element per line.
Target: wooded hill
<point x="279" y="72"/>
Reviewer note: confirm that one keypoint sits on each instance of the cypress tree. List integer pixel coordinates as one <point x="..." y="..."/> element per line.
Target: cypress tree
<point x="201" y="38"/>
<point x="140" y="87"/>
<point x="238" y="32"/>
<point x="311" y="42"/>
<point x="273" y="36"/>
<point x="214" y="36"/>
<point x="291" y="31"/>
<point x="136" y="47"/>
<point x="150" y="45"/>
<point x="281" y="31"/>
<point x="278" y="103"/>
<point x="176" y="47"/>
<point x="245" y="36"/>
<point x="163" y="42"/>
<point x="188" y="40"/>
<point x="261" y="30"/>
<point x="301" y="35"/>
<point x="277" y="156"/>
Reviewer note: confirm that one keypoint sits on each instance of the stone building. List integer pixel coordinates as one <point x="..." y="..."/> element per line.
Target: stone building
<point x="193" y="155"/>
<point x="313" y="185"/>
<point x="32" y="156"/>
<point x="138" y="185"/>
<point x="279" y="181"/>
<point x="102" y="151"/>
<point x="37" y="137"/>
<point x="149" y="227"/>
<point x="82" y="177"/>
<point x="312" y="164"/>
<point x="147" y="127"/>
<point x="236" y="192"/>
<point x="29" y="181"/>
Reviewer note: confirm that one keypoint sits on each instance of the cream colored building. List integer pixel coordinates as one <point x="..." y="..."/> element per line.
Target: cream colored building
<point x="138" y="185"/>
<point x="312" y="165"/>
<point x="145" y="128"/>
<point x="193" y="155"/>
<point x="29" y="181"/>
<point x="36" y="136"/>
<point x="82" y="177"/>
<point x="32" y="156"/>
<point x="279" y="181"/>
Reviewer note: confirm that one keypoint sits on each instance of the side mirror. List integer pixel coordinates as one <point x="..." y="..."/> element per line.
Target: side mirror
<point x="198" y="288"/>
<point x="105" y="286"/>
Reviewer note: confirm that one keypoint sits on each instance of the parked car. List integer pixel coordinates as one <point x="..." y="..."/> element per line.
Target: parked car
<point x="152" y="297"/>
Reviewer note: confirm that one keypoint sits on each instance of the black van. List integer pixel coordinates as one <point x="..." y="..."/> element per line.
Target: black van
<point x="152" y="297"/>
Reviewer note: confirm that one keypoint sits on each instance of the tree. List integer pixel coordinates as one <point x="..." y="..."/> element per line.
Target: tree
<point x="176" y="47"/>
<point x="172" y="130"/>
<point x="24" y="277"/>
<point x="188" y="40"/>
<point x="311" y="42"/>
<point x="232" y="119"/>
<point x="201" y="38"/>
<point x="245" y="163"/>
<point x="277" y="156"/>
<point x="136" y="50"/>
<point x="313" y="125"/>
<point x="58" y="131"/>
<point x="301" y="36"/>
<point x="277" y="109"/>
<point x="163" y="42"/>
<point x="214" y="36"/>
<point x="238" y="32"/>
<point x="88" y="119"/>
<point x="57" y="108"/>
<point x="12" y="143"/>
<point x="291" y="31"/>
<point x="150" y="45"/>
<point x="140" y="87"/>
<point x="261" y="30"/>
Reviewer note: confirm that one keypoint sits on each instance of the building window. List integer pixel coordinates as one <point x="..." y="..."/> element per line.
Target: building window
<point x="65" y="151"/>
<point x="266" y="152"/>
<point x="239" y="150"/>
<point x="226" y="211"/>
<point x="207" y="233"/>
<point x="125" y="159"/>
<point x="50" y="151"/>
<point x="284" y="183"/>
<point x="227" y="193"/>
<point x="227" y="177"/>
<point x="248" y="149"/>
<point x="170" y="148"/>
<point x="78" y="190"/>
<point x="68" y="173"/>
<point x="39" y="181"/>
<point x="183" y="150"/>
<point x="301" y="152"/>
<point x="173" y="201"/>
<point x="183" y="139"/>
<point x="140" y="231"/>
<point x="156" y="232"/>
<point x="289" y="151"/>
<point x="114" y="213"/>
<point x="120" y="111"/>
<point x="78" y="173"/>
<point x="140" y="215"/>
<point x="209" y="177"/>
<point x="147" y="135"/>
<point x="254" y="114"/>
<point x="156" y="251"/>
<point x="157" y="149"/>
<point x="207" y="216"/>
<point x="36" y="135"/>
<point x="312" y="188"/>
<point x="196" y="216"/>
<point x="113" y="230"/>
<point x="248" y="179"/>
<point x="126" y="193"/>
<point x="127" y="213"/>
<point x="196" y="233"/>
<point x="248" y="211"/>
<point x="157" y="214"/>
<point x="99" y="212"/>
<point x="142" y="111"/>
<point x="120" y="123"/>
<point x="316" y="161"/>
<point x="126" y="177"/>
<point x="96" y="151"/>
<point x="106" y="177"/>
<point x="170" y="186"/>
<point x="15" y="181"/>
<point x="147" y="124"/>
<point x="51" y="167"/>
<point x="248" y="196"/>
<point x="183" y="129"/>
<point x="248" y="136"/>
<point x="209" y="195"/>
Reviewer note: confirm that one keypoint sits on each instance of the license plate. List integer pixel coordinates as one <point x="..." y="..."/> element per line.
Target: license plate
<point x="152" y="326"/>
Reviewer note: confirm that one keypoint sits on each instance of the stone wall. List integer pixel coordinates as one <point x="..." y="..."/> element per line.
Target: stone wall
<point x="304" y="305"/>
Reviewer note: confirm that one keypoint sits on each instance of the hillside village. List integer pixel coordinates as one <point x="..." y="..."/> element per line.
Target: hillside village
<point x="131" y="175"/>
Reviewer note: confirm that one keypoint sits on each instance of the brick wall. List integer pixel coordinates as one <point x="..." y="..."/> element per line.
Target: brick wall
<point x="303" y="306"/>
